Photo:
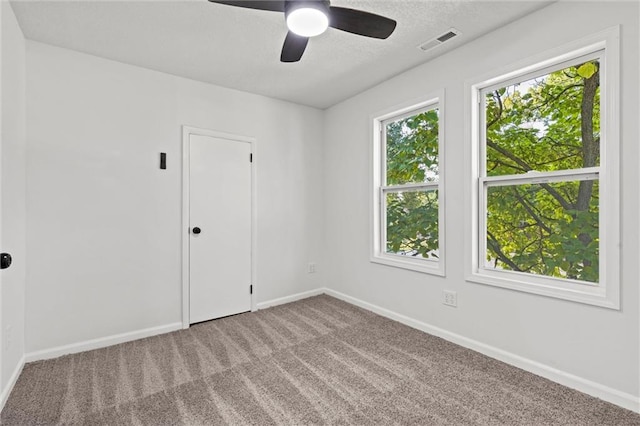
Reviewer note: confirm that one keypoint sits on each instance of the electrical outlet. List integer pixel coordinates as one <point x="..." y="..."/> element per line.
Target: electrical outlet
<point x="450" y="298"/>
<point x="311" y="268"/>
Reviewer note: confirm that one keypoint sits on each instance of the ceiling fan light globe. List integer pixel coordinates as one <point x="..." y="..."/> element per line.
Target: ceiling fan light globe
<point x="307" y="21"/>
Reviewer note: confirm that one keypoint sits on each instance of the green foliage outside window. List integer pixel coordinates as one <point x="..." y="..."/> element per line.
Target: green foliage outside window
<point x="412" y="157"/>
<point x="545" y="124"/>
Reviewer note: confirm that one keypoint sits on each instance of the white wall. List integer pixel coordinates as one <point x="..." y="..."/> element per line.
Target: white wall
<point x="595" y="344"/>
<point x="13" y="157"/>
<point x="104" y="221"/>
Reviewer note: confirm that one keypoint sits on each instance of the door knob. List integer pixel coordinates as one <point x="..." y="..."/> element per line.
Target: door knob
<point x="196" y="230"/>
<point x="5" y="260"/>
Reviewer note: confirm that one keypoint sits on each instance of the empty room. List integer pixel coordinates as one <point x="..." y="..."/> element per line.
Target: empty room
<point x="298" y="212"/>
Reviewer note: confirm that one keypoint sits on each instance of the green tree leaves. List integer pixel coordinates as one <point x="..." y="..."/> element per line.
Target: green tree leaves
<point x="412" y="223"/>
<point x="412" y="157"/>
<point x="412" y="149"/>
<point x="545" y="124"/>
<point x="587" y="70"/>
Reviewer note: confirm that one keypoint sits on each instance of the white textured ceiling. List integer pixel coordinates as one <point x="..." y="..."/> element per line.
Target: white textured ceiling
<point x="240" y="48"/>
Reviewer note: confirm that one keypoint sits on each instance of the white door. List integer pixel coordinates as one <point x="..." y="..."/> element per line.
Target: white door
<point x="219" y="227"/>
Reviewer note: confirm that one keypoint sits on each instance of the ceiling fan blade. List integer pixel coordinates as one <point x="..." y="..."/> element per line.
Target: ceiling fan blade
<point x="293" y="47"/>
<point x="361" y="23"/>
<point x="272" y="5"/>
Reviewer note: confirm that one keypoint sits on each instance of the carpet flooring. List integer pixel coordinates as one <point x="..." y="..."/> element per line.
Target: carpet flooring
<point x="314" y="361"/>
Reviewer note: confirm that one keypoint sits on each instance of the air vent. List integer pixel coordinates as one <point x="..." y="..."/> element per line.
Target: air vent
<point x="447" y="36"/>
<point x="437" y="41"/>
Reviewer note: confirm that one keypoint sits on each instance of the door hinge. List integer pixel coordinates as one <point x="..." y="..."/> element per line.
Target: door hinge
<point x="251" y="158"/>
<point x="251" y="289"/>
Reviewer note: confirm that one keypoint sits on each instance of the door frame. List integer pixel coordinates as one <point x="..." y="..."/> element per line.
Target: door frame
<point x="187" y="131"/>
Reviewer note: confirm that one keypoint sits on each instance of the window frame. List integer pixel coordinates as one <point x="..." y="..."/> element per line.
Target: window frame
<point x="380" y="188"/>
<point x="606" y="293"/>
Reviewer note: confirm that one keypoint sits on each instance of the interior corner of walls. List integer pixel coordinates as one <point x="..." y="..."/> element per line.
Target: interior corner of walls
<point x="6" y="390"/>
<point x="290" y="298"/>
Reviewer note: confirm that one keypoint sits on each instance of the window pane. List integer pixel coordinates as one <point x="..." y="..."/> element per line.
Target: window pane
<point x="412" y="149"/>
<point x="547" y="123"/>
<point x="412" y="223"/>
<point x="545" y="229"/>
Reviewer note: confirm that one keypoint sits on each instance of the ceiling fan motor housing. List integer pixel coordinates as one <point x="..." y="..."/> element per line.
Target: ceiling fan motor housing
<point x="291" y="5"/>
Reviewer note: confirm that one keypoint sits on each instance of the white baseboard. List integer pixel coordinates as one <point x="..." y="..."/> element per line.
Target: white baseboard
<point x="101" y="342"/>
<point x="4" y="396"/>
<point x="589" y="387"/>
<point x="289" y="299"/>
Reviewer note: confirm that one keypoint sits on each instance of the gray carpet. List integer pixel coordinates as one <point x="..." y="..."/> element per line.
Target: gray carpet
<point x="315" y="361"/>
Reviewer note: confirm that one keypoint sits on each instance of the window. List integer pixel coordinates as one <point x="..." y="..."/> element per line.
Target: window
<point x="408" y="188"/>
<point x="546" y="179"/>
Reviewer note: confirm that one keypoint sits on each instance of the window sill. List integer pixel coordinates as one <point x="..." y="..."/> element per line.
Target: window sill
<point x="433" y="267"/>
<point x="581" y="293"/>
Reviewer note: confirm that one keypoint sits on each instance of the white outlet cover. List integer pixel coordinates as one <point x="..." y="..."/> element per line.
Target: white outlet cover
<point x="450" y="298"/>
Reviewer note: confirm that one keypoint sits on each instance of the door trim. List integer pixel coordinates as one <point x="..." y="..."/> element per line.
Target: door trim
<point x="187" y="131"/>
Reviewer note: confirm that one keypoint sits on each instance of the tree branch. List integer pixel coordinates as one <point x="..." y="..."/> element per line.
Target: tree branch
<point x="557" y="96"/>
<point x="499" y="115"/>
<point x="529" y="210"/>
<point x="495" y="247"/>
<point x="556" y="159"/>
<point x="555" y="194"/>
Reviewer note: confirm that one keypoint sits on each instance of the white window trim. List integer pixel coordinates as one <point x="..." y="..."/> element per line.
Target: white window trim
<point x="378" y="171"/>
<point x="607" y="292"/>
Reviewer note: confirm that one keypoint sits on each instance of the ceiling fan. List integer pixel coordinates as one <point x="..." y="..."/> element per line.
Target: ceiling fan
<point x="309" y="18"/>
